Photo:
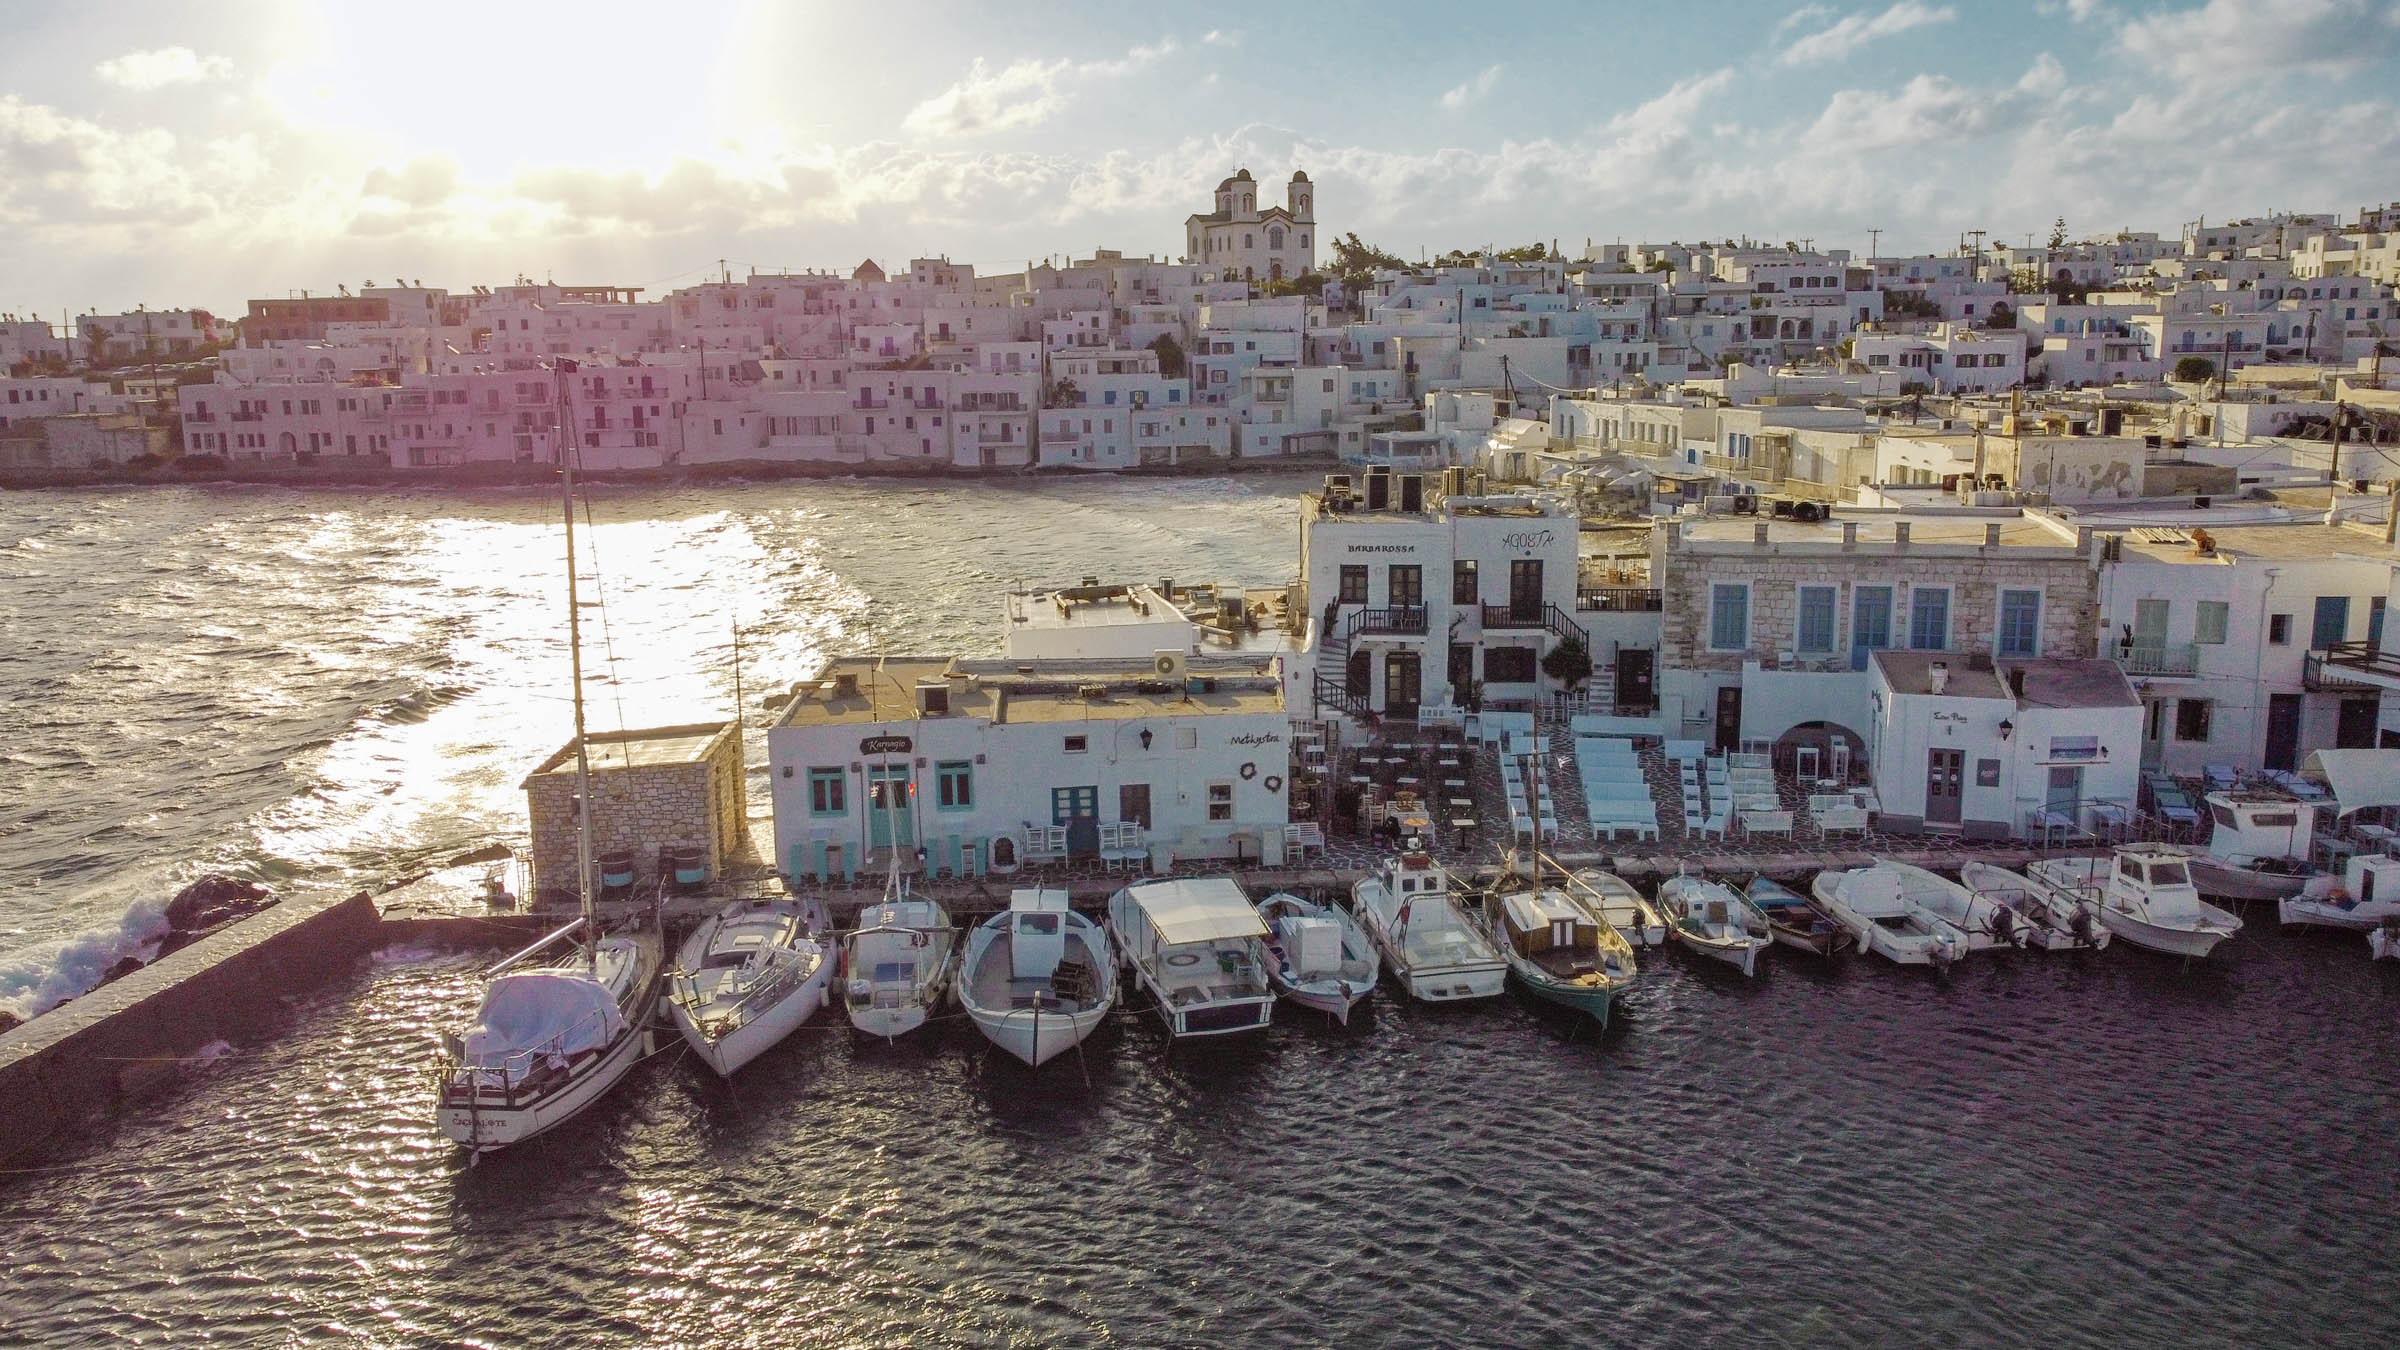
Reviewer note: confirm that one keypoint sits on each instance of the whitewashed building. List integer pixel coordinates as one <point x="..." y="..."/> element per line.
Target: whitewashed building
<point x="2000" y="749"/>
<point x="1240" y="240"/>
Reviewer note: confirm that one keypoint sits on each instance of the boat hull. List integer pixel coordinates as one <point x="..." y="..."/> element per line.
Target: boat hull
<point x="1450" y="984"/>
<point x="1037" y="1038"/>
<point x="1742" y="956"/>
<point x="2222" y="882"/>
<point x="1324" y="996"/>
<point x="2305" y="910"/>
<point x="488" y="1128"/>
<point x="1592" y="1000"/>
<point x="728" y="1053"/>
<point x="2169" y="941"/>
<point x="2383" y="945"/>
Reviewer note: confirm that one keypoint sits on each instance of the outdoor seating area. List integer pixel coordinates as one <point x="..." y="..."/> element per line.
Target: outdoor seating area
<point x="1616" y="792"/>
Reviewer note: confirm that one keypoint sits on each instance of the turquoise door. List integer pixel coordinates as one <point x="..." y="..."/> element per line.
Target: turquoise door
<point x="891" y="813"/>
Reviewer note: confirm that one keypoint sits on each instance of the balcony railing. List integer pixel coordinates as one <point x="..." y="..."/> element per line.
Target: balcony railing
<point x="2323" y="669"/>
<point x="1619" y="600"/>
<point x="2166" y="658"/>
<point x="1403" y="619"/>
<point x="1511" y="616"/>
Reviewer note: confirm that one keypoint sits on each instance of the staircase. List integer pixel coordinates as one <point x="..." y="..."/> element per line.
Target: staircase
<point x="1333" y="652"/>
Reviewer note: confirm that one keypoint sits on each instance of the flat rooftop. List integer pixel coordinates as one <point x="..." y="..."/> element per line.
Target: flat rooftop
<point x="1091" y="607"/>
<point x="2069" y="684"/>
<point x="1352" y="506"/>
<point x="2296" y="542"/>
<point x="1874" y="530"/>
<point x="637" y="749"/>
<point x="867" y="689"/>
<point x="1911" y="673"/>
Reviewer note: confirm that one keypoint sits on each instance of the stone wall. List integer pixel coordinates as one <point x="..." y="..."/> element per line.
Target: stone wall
<point x="643" y="808"/>
<point x="1975" y="577"/>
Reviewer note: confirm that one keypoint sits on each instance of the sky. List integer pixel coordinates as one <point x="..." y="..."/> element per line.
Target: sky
<point x="172" y="154"/>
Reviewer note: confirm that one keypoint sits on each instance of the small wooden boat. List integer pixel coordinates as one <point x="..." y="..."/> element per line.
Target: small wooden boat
<point x="1625" y="908"/>
<point x="1317" y="955"/>
<point x="1796" y="922"/>
<point x="1559" y="947"/>
<point x="746" y="978"/>
<point x="1037" y="978"/>
<point x="1715" y="920"/>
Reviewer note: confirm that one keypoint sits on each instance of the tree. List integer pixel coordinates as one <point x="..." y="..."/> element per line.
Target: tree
<point x="2194" y="370"/>
<point x="1064" y="394"/>
<point x="2058" y="233"/>
<point x="2001" y="316"/>
<point x="1528" y="253"/>
<point x="1354" y="258"/>
<point x="1569" y="662"/>
<point x="1170" y="355"/>
<point x="1307" y="283"/>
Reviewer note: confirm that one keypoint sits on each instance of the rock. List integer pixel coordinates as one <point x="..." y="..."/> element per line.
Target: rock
<point x="489" y="853"/>
<point x="124" y="966"/>
<point x="9" y="1022"/>
<point x="214" y="900"/>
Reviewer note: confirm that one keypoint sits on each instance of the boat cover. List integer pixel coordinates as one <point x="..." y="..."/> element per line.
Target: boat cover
<point x="1202" y="909"/>
<point x="2358" y="778"/>
<point x="1872" y="893"/>
<point x="541" y="1013"/>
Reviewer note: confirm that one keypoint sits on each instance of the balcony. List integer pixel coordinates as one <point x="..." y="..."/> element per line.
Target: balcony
<point x="1503" y="617"/>
<point x="2351" y="666"/>
<point x="1404" y="620"/>
<point x="1619" y="600"/>
<point x="2169" y="659"/>
<point x="869" y="404"/>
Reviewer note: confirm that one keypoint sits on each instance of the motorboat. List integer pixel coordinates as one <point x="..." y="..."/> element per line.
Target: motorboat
<point x="1872" y="902"/>
<point x="2363" y="898"/>
<point x="897" y="965"/>
<point x="1625" y="908"/>
<point x="1429" y="943"/>
<point x="2383" y="941"/>
<point x="1037" y="978"/>
<point x="1985" y="920"/>
<point x="1559" y="947"/>
<point x="1317" y="955"/>
<point x="1197" y="947"/>
<point x="2258" y="846"/>
<point x="2146" y="896"/>
<point x="1795" y="920"/>
<point x="747" y="977"/>
<point x="1715" y="920"/>
<point x="2053" y="919"/>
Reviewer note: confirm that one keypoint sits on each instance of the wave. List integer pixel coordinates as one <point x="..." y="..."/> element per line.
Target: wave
<point x="38" y="978"/>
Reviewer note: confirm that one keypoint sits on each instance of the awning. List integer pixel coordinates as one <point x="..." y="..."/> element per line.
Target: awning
<point x="2358" y="778"/>
<point x="1203" y="909"/>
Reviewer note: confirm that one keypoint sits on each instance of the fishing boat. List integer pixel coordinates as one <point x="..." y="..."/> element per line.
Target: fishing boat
<point x="2054" y="920"/>
<point x="1625" y="908"/>
<point x="1197" y="947"/>
<point x="897" y="964"/>
<point x="1873" y="905"/>
<point x="1429" y="943"/>
<point x="1984" y="920"/>
<point x="1037" y="978"/>
<point x="2258" y="846"/>
<point x="2362" y="899"/>
<point x="2145" y="895"/>
<point x="746" y="978"/>
<point x="1715" y="920"/>
<point x="1796" y="922"/>
<point x="1559" y="947"/>
<point x="1317" y="955"/>
<point x="548" y="1041"/>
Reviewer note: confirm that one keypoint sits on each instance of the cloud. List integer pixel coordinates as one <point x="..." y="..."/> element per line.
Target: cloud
<point x="1023" y="94"/>
<point x="1221" y="37"/>
<point x="1473" y="91"/>
<point x="1806" y="14"/>
<point x="427" y="180"/>
<point x="160" y="67"/>
<point x="2335" y="37"/>
<point x="1857" y="30"/>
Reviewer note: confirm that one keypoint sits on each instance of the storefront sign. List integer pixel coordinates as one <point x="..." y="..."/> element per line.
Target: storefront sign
<point x="1383" y="548"/>
<point x="885" y="745"/>
<point x="1528" y="541"/>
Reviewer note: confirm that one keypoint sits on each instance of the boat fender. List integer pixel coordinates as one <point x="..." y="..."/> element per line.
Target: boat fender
<point x="1274" y="783"/>
<point x="1249" y="769"/>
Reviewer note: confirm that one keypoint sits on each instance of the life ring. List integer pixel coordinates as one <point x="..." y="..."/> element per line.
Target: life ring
<point x="1249" y="769"/>
<point x="1183" y="959"/>
<point x="1274" y="783"/>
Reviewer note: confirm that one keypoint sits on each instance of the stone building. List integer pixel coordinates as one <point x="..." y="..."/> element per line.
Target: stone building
<point x="652" y="789"/>
<point x="1768" y="626"/>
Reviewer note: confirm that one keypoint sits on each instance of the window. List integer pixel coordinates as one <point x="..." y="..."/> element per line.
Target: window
<point x="2279" y="630"/>
<point x="2020" y="623"/>
<point x="1220" y="801"/>
<point x="1187" y="738"/>
<point x="2208" y="622"/>
<point x="2191" y="719"/>
<point x="954" y="784"/>
<point x="1508" y="665"/>
<point x="825" y="792"/>
<point x="1729" y="617"/>
<point x="1929" y="618"/>
<point x="1463" y="589"/>
<point x="1816" y="619"/>
<point x="1354" y="584"/>
<point x="2074" y="747"/>
<point x="1076" y="745"/>
<point x="1871" y="617"/>
<point x="2331" y="623"/>
<point x="1404" y="585"/>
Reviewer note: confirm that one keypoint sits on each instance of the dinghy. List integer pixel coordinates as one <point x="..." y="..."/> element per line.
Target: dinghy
<point x="1624" y="907"/>
<point x="1317" y="955"/>
<point x="1796" y="922"/>
<point x="1714" y="920"/>
<point x="1037" y="977"/>
<point x="1872" y="904"/>
<point x="1983" y="919"/>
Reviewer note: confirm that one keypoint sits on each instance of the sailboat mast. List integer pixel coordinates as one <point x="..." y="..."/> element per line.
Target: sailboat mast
<point x="583" y="757"/>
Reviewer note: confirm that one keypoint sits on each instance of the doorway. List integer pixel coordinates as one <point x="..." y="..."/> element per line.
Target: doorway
<point x="1133" y="803"/>
<point x="1636" y="690"/>
<point x="2355" y="730"/>
<point x="2283" y="732"/>
<point x="1078" y="808"/>
<point x="1525" y="590"/>
<point x="1944" y="771"/>
<point x="890" y="822"/>
<point x="1729" y="718"/>
<point x="1403" y="684"/>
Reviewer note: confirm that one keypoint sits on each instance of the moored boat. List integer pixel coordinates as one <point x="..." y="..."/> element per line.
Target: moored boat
<point x="1559" y="947"/>
<point x="897" y="965"/>
<point x="1317" y="955"/>
<point x="1196" y="947"/>
<point x="746" y="978"/>
<point x="2054" y="919"/>
<point x="1984" y="920"/>
<point x="2383" y="943"/>
<point x="2258" y="846"/>
<point x="2363" y="898"/>
<point x="1625" y="908"/>
<point x="1037" y="978"/>
<point x="1795" y="920"/>
<point x="1716" y="921"/>
<point x="548" y="1041"/>
<point x="2146" y="897"/>
<point x="1428" y="941"/>
<point x="1872" y="903"/>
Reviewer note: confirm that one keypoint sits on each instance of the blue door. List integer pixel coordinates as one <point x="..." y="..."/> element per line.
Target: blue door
<point x="891" y="814"/>
<point x="1078" y="808"/>
<point x="2332" y="622"/>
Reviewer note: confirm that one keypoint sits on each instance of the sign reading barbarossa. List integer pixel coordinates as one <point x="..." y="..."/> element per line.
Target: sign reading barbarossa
<point x="885" y="745"/>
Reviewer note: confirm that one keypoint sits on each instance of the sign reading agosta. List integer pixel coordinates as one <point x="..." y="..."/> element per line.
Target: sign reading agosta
<point x="1528" y="541"/>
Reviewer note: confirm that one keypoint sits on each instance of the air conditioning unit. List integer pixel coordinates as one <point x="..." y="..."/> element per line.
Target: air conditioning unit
<point x="1170" y="663"/>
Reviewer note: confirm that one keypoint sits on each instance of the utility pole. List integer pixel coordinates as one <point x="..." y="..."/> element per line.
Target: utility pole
<point x="1874" y="238"/>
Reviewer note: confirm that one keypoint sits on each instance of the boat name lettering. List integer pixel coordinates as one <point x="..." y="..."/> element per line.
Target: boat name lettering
<point x="885" y="745"/>
<point x="1527" y="540"/>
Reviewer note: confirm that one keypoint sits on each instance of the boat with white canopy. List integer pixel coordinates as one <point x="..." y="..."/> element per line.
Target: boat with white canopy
<point x="1197" y="946"/>
<point x="1037" y="977"/>
<point x="2258" y="845"/>
<point x="1428" y="942"/>
<point x="1317" y="955"/>
<point x="748" y="977"/>
<point x="2145" y="895"/>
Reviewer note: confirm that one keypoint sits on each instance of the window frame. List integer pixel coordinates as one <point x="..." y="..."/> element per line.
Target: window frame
<point x="954" y="784"/>
<point x="824" y="803"/>
<point x="1347" y="593"/>
<point x="1916" y="611"/>
<point x="1718" y="593"/>
<point x="2185" y="720"/>
<point x="2001" y="647"/>
<point x="2224" y="615"/>
<point x="1831" y="618"/>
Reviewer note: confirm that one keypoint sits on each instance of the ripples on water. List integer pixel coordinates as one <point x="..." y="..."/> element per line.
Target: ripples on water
<point x="2104" y="1149"/>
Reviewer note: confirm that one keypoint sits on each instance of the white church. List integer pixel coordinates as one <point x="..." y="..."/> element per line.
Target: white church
<point x="1240" y="242"/>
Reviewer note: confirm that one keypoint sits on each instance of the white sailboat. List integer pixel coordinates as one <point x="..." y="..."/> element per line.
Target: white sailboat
<point x="1037" y="977"/>
<point x="1317" y="955"/>
<point x="1716" y="921"/>
<point x="1872" y="903"/>
<point x="1427" y="940"/>
<point x="746" y="978"/>
<point x="2146" y="897"/>
<point x="548" y="1041"/>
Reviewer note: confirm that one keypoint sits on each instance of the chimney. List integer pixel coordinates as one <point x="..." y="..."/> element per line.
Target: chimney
<point x="1849" y="534"/>
<point x="1758" y="534"/>
<point x="1937" y="676"/>
<point x="1991" y="534"/>
<point x="1900" y="534"/>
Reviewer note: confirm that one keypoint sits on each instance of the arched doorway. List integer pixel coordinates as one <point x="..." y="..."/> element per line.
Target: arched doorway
<point x="1821" y="750"/>
<point x="1275" y="271"/>
<point x="290" y="444"/>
